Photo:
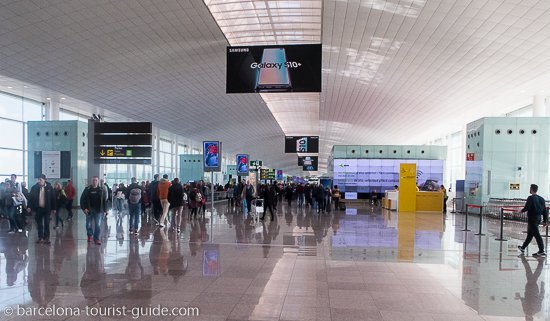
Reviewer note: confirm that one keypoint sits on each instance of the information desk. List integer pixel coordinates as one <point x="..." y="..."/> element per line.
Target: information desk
<point x="429" y="202"/>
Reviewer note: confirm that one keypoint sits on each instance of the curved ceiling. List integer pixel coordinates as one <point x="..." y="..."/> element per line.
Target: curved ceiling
<point x="394" y="72"/>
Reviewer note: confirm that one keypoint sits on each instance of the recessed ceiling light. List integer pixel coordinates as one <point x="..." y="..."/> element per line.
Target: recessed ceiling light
<point x="10" y="87"/>
<point x="523" y="91"/>
<point x="25" y="86"/>
<point x="48" y="98"/>
<point x="62" y="98"/>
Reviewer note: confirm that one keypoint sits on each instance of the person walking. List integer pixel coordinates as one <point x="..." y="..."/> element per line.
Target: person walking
<point x="249" y="195"/>
<point x="336" y="197"/>
<point x="443" y="190"/>
<point x="60" y="203"/>
<point x="93" y="204"/>
<point x="175" y="198"/>
<point x="13" y="202"/>
<point x="162" y="192"/>
<point x="230" y="196"/>
<point x="267" y="195"/>
<point x="320" y="193"/>
<point x="42" y="203"/>
<point x="157" y="207"/>
<point x="70" y="192"/>
<point x="134" y="197"/>
<point x="535" y="208"/>
<point x="120" y="197"/>
<point x="195" y="200"/>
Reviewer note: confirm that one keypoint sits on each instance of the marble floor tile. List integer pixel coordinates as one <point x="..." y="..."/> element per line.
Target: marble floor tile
<point x="227" y="271"/>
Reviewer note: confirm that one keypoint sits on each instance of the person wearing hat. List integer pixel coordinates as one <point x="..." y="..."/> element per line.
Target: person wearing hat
<point x="42" y="203"/>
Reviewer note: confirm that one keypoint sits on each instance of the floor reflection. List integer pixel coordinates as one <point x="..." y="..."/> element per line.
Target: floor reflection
<point x="235" y="266"/>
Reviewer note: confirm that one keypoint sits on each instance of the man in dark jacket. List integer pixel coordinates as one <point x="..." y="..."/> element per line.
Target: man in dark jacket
<point x="535" y="208"/>
<point x="320" y="193"/>
<point x="42" y="203"/>
<point x="93" y="204"/>
<point x="133" y="195"/>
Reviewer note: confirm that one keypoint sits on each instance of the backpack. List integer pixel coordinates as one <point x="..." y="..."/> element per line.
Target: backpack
<point x="198" y="198"/>
<point x="135" y="196"/>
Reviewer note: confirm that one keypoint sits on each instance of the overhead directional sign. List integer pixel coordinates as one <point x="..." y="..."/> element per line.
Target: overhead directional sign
<point x="123" y="143"/>
<point x="256" y="163"/>
<point x="122" y="151"/>
<point x="267" y="174"/>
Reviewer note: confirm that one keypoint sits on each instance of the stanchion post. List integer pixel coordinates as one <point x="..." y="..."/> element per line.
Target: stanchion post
<point x="501" y="226"/>
<point x="480" y="221"/>
<point x="465" y="229"/>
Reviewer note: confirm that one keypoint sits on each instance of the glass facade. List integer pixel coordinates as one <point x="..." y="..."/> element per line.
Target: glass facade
<point x="15" y="111"/>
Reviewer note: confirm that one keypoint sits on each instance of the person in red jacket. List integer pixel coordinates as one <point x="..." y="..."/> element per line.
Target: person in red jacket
<point x="162" y="192"/>
<point x="70" y="191"/>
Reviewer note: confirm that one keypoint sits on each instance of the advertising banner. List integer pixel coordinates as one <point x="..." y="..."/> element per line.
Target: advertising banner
<point x="301" y="144"/>
<point x="280" y="176"/>
<point x="212" y="161"/>
<point x="379" y="175"/>
<point x="242" y="164"/>
<point x="277" y="68"/>
<point x="310" y="163"/>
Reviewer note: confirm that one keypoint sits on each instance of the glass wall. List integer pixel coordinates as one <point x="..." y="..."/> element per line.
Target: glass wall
<point x="15" y="111"/>
<point x="167" y="164"/>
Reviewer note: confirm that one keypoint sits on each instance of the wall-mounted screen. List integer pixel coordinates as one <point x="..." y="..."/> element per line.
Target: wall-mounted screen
<point x="212" y="156"/>
<point x="279" y="68"/>
<point x="301" y="144"/>
<point x="366" y="176"/>
<point x="242" y="164"/>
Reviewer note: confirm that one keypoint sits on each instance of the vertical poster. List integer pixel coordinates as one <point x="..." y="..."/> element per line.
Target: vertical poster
<point x="280" y="175"/>
<point x="242" y="164"/>
<point x="51" y="164"/>
<point x="211" y="156"/>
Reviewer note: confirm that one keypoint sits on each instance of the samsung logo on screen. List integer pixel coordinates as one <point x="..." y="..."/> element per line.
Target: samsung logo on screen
<point x="266" y="65"/>
<point x="238" y="49"/>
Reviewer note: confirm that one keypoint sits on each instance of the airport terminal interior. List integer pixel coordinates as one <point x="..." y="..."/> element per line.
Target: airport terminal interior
<point x="274" y="160"/>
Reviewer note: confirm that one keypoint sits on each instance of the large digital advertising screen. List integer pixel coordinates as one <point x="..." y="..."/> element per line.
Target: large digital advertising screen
<point x="277" y="68"/>
<point x="310" y="163"/>
<point x="242" y="164"/>
<point x="365" y="176"/>
<point x="301" y="144"/>
<point x="212" y="156"/>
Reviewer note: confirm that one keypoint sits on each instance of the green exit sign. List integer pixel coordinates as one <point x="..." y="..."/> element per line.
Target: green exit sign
<point x="129" y="152"/>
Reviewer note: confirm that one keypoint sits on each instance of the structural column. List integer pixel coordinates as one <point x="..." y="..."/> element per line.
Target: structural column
<point x="53" y="111"/>
<point x="539" y="106"/>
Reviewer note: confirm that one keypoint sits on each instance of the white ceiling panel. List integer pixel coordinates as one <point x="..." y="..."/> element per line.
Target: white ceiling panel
<point x="394" y="72"/>
<point x="159" y="61"/>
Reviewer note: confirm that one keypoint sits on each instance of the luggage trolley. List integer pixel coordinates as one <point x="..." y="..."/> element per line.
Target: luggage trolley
<point x="257" y="208"/>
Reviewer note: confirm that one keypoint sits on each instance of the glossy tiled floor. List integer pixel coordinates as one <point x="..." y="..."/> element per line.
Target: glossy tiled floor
<point x="364" y="264"/>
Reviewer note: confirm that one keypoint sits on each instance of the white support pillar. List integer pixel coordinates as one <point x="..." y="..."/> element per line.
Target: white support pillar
<point x="53" y="110"/>
<point x="539" y="106"/>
